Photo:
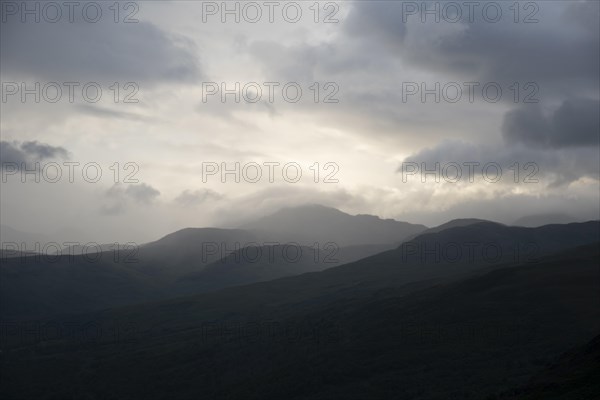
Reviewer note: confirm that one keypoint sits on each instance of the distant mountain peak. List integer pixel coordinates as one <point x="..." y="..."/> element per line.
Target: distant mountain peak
<point x="323" y="224"/>
<point x="459" y="222"/>
<point x="466" y="221"/>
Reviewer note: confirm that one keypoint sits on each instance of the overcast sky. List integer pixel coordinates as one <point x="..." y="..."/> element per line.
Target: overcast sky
<point x="369" y="131"/>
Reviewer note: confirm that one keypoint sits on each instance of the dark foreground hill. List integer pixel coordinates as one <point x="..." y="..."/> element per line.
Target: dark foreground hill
<point x="471" y="339"/>
<point x="574" y="376"/>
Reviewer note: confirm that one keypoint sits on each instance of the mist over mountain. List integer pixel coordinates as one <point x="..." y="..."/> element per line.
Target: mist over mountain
<point x="316" y="223"/>
<point x="68" y="239"/>
<point x="198" y="260"/>
<point x="176" y="264"/>
<point x="190" y="249"/>
<point x="28" y="240"/>
<point x="544" y="219"/>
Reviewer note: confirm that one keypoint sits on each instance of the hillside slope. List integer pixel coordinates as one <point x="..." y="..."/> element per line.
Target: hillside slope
<point x="470" y="339"/>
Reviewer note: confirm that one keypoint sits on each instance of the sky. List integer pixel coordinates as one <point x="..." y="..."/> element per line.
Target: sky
<point x="142" y="118"/>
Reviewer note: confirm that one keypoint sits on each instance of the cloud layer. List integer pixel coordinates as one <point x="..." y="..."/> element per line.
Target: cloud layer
<point x="546" y="119"/>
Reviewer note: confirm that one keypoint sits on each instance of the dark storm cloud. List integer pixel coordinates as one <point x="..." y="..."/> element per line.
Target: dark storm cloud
<point x="553" y="168"/>
<point x="575" y="123"/>
<point x="378" y="19"/>
<point x="561" y="50"/>
<point x="552" y="60"/>
<point x="560" y="53"/>
<point x="584" y="14"/>
<point x="517" y="54"/>
<point x="102" y="51"/>
<point x="20" y="154"/>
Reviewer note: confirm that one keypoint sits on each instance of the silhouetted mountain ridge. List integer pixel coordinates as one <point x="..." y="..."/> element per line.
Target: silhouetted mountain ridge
<point x="76" y="285"/>
<point x="544" y="219"/>
<point x="450" y="224"/>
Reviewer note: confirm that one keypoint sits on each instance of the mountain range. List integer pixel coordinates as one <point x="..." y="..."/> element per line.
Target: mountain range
<point x="471" y="309"/>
